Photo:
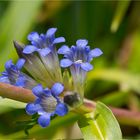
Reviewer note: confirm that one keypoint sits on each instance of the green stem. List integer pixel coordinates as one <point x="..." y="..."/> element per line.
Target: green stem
<point x="124" y="116"/>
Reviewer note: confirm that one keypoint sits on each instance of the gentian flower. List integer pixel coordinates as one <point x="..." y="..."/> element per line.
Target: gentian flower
<point x="78" y="58"/>
<point x="45" y="44"/>
<point x="12" y="75"/>
<point x="80" y="54"/>
<point x="47" y="104"/>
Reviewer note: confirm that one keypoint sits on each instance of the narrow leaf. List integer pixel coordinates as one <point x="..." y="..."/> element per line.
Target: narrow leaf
<point x="129" y="80"/>
<point x="15" y="24"/>
<point x="119" y="14"/>
<point x="8" y="105"/>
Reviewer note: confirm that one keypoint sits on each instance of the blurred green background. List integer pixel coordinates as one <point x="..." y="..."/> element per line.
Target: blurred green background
<point x="113" y="26"/>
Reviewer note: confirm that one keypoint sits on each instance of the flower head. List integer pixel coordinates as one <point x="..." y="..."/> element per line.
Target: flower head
<point x="78" y="58"/>
<point x="12" y="75"/>
<point x="78" y="55"/>
<point x="43" y="43"/>
<point x="47" y="104"/>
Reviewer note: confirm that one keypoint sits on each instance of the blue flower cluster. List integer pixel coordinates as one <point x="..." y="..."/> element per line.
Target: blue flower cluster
<point x="41" y="60"/>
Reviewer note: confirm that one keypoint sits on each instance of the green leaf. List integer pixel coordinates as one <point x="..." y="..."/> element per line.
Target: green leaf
<point x="38" y="132"/>
<point x="134" y="56"/>
<point x="119" y="14"/>
<point x="100" y="125"/>
<point x="15" y="24"/>
<point x="8" y="105"/>
<point x="129" y="81"/>
<point x="111" y="98"/>
<point x="27" y="125"/>
<point x="12" y="103"/>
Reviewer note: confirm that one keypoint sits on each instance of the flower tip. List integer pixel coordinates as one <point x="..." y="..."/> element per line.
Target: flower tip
<point x="30" y="109"/>
<point x="65" y="63"/>
<point x="63" y="50"/>
<point x="37" y="90"/>
<point x="57" y="88"/>
<point x="51" y="32"/>
<point x="20" y="63"/>
<point x="33" y="36"/>
<point x="81" y="42"/>
<point x="98" y="52"/>
<point x="59" y="40"/>
<point x="29" y="49"/>
<point x="61" y="109"/>
<point x="86" y="66"/>
<point x="44" y="120"/>
<point x="8" y="64"/>
<point x="95" y="52"/>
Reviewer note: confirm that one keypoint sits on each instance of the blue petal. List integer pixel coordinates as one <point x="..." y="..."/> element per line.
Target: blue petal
<point x="81" y="42"/>
<point x="51" y="32"/>
<point x="20" y="63"/>
<point x="5" y="73"/>
<point x="47" y="92"/>
<point x="44" y="52"/>
<point x="65" y="63"/>
<point x="20" y="82"/>
<point x="33" y="36"/>
<point x="43" y="37"/>
<point x="44" y="120"/>
<point x="86" y="66"/>
<point x="61" y="109"/>
<point x="8" y="64"/>
<point x="73" y="48"/>
<point x="87" y="49"/>
<point x="38" y="90"/>
<point x="29" y="49"/>
<point x="37" y="101"/>
<point x="57" y="88"/>
<point x="31" y="109"/>
<point x="63" y="50"/>
<point x="59" y="40"/>
<point x="4" y="79"/>
<point x="95" y="52"/>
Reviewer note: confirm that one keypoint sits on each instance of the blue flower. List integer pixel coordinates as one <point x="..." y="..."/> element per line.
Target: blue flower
<point x="43" y="43"/>
<point x="78" y="58"/>
<point x="12" y="75"/>
<point x="47" y="104"/>
<point x="79" y="55"/>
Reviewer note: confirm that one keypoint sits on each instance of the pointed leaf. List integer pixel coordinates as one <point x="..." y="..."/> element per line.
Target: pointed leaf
<point x="120" y="12"/>
<point x="100" y="125"/>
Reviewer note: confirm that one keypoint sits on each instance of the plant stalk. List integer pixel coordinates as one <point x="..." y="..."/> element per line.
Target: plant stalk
<point x="125" y="117"/>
